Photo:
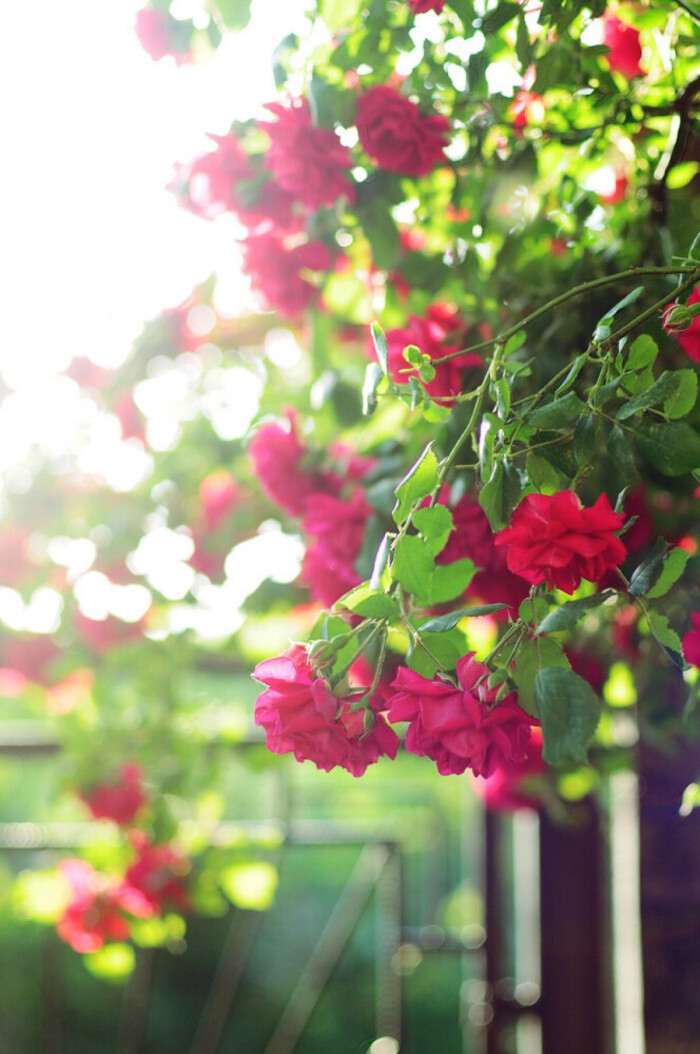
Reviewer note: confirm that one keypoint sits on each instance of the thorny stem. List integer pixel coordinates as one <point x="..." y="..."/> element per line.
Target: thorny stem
<point x="596" y="283"/>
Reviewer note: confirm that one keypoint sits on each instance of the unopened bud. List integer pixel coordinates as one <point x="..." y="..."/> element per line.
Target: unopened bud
<point x="677" y="318"/>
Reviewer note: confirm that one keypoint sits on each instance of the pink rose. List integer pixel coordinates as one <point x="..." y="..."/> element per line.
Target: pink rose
<point x="419" y="6"/>
<point x="278" y="458"/>
<point x="158" y="875"/>
<point x="309" y="163"/>
<point x="160" y="34"/>
<point x="396" y="136"/>
<point x="507" y="789"/>
<point x="338" y="527"/>
<point x="301" y="716"/>
<point x="96" y="911"/>
<point x="459" y="727"/>
<point x="625" y="49"/>
<point x="218" y="494"/>
<point x="554" y="539"/>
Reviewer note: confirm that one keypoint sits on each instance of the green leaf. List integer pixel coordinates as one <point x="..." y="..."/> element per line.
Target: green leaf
<point x="502" y="493"/>
<point x="558" y="414"/>
<point x="369" y="603"/>
<point x="673" y="448"/>
<point x="680" y="175"/>
<point x="413" y="565"/>
<point x="380" y="347"/>
<point x="605" y="394"/>
<point x="674" y="562"/>
<point x="514" y="343"/>
<point x="585" y="438"/>
<point x="113" y="963"/>
<point x="442" y="623"/>
<point x="523" y="47"/>
<point x="330" y="103"/>
<point x="380" y="562"/>
<point x="622" y="455"/>
<point x="447" y="649"/>
<point x="543" y="475"/>
<point x="488" y="430"/>
<point x="235" y="14"/>
<point x="449" y="581"/>
<point x="380" y="230"/>
<point x="682" y="401"/>
<point x="619" y="306"/>
<point x="667" y="637"/>
<point x="532" y="656"/>
<point x="347" y="297"/>
<point x="576" y="367"/>
<point x="666" y="386"/>
<point x="373" y="378"/>
<point x="418" y="482"/>
<point x="500" y="16"/>
<point x="568" y="614"/>
<point x="649" y="570"/>
<point x="435" y="524"/>
<point x="339" y="14"/>
<point x="642" y="352"/>
<point x="569" y="711"/>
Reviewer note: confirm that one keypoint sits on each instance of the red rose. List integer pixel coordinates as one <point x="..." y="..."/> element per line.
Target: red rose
<point x="688" y="338"/>
<point x="96" y="911"/>
<point x="276" y="271"/>
<point x="526" y="108"/>
<point x="395" y="134"/>
<point x="554" y="539"/>
<point x="277" y="456"/>
<point x="419" y="6"/>
<point x="119" y="801"/>
<point x="158" y="874"/>
<point x="428" y="335"/>
<point x="459" y="728"/>
<point x="339" y="528"/>
<point x="509" y="787"/>
<point x="301" y="716"/>
<point x="310" y="163"/>
<point x="618" y="193"/>
<point x="691" y="641"/>
<point x="625" y="49"/>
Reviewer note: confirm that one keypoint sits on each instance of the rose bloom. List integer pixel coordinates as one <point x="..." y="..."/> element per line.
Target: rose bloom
<point x="625" y="49"/>
<point x="31" y="655"/>
<point x="338" y="526"/>
<point x="310" y="163"/>
<point x="158" y="874"/>
<point x="428" y="334"/>
<point x="508" y="789"/>
<point x="277" y="455"/>
<point x="527" y="108"/>
<point x="689" y="339"/>
<point x="275" y="271"/>
<point x="120" y="800"/>
<point x="96" y="911"/>
<point x="300" y="715"/>
<point x="396" y="136"/>
<point x="160" y="34"/>
<point x="419" y="6"/>
<point x="554" y="539"/>
<point x="691" y="641"/>
<point x="459" y="727"/>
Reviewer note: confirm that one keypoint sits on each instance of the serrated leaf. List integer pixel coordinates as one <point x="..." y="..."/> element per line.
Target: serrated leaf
<point x="369" y="603"/>
<point x="418" y="482"/>
<point x="643" y="352"/>
<point x="672" y="448"/>
<point x="534" y="655"/>
<point x="442" y="623"/>
<point x="571" y="612"/>
<point x="502" y="493"/>
<point x="649" y="570"/>
<point x="435" y="524"/>
<point x="412" y="565"/>
<point x="665" y="386"/>
<point x="446" y="650"/>
<point x="622" y="455"/>
<point x="569" y="711"/>
<point x="674" y="562"/>
<point x="543" y="475"/>
<point x="606" y="393"/>
<point x="666" y="637"/>
<point x="558" y="414"/>
<point x="449" y="581"/>
<point x="585" y="437"/>
<point x="682" y="401"/>
<point x="380" y="346"/>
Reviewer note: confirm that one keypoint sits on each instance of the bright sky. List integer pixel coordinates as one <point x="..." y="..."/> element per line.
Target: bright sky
<point x="93" y="244"/>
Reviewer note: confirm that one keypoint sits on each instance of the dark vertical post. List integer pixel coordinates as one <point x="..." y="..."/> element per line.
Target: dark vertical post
<point x="575" y="997"/>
